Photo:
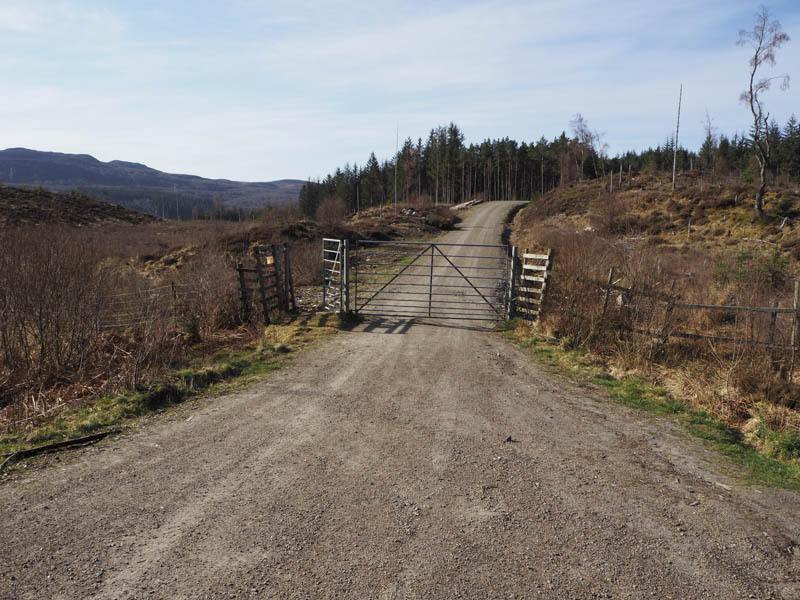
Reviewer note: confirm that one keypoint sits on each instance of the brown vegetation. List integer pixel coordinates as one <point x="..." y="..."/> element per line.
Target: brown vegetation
<point x="647" y="236"/>
<point x="22" y="206"/>
<point x="85" y="312"/>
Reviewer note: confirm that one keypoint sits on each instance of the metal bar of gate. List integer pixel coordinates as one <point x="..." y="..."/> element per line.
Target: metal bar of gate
<point x="445" y="300"/>
<point x="430" y="282"/>
<point x="396" y="276"/>
<point x="365" y="242"/>
<point x="465" y="277"/>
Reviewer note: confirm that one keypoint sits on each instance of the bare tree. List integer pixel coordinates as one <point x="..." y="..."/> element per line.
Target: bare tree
<point x="330" y="213"/>
<point x="765" y="38"/>
<point x="585" y="139"/>
<point x="600" y="148"/>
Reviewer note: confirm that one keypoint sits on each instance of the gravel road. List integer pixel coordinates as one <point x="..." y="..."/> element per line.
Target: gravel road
<point x="376" y="466"/>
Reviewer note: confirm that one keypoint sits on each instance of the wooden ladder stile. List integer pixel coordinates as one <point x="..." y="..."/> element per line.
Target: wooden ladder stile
<point x="535" y="270"/>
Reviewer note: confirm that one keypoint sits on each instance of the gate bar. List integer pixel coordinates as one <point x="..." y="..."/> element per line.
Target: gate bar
<point x="398" y="275"/>
<point x="431" y="244"/>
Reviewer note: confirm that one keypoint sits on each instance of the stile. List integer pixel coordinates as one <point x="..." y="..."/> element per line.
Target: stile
<point x="529" y="297"/>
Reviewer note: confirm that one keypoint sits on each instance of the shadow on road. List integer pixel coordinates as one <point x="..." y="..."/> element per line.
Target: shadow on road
<point x="395" y="325"/>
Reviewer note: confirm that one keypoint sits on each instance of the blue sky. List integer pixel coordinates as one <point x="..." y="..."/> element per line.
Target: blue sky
<point x="261" y="90"/>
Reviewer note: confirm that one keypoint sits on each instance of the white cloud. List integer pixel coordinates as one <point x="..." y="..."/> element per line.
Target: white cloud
<point x="265" y="90"/>
<point x="18" y="19"/>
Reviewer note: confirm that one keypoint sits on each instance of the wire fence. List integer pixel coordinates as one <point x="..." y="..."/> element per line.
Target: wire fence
<point x="156" y="305"/>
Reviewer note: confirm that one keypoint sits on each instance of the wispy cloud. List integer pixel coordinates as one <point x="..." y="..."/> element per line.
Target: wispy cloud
<point x="267" y="89"/>
<point x="19" y="19"/>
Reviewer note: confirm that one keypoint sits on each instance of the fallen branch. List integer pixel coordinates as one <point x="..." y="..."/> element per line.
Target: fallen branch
<point x="89" y="439"/>
<point x="759" y="241"/>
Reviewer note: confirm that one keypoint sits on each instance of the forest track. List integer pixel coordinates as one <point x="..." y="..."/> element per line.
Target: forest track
<point x="377" y="467"/>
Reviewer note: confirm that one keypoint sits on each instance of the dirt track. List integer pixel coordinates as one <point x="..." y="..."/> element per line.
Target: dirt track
<point x="376" y="467"/>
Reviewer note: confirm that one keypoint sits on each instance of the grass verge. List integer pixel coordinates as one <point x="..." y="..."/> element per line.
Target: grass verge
<point x="224" y="370"/>
<point x="764" y="467"/>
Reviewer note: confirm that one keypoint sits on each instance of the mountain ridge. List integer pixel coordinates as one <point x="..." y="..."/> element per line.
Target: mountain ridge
<point x="137" y="186"/>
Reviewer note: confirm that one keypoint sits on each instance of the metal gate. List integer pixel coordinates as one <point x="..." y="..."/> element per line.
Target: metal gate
<point x="430" y="280"/>
<point x="335" y="275"/>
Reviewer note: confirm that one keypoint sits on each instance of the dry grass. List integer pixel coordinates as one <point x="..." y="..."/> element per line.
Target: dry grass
<point x="79" y="320"/>
<point x="636" y="231"/>
<point x="85" y="312"/>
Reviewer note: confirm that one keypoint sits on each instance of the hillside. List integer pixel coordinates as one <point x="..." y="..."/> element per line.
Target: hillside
<point x="694" y="276"/>
<point x="138" y="186"/>
<point x="20" y="206"/>
<point x="709" y="217"/>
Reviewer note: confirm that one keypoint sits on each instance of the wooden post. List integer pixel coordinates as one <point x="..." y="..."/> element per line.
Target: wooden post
<point x="608" y="292"/>
<point x="668" y="313"/>
<point x="276" y="256"/>
<point x="512" y="278"/>
<point x="289" y="278"/>
<point x="243" y="287"/>
<point x="773" y="318"/>
<point x="795" y="325"/>
<point x="174" y="302"/>
<point x="261" y="286"/>
<point x="796" y="320"/>
<point x="675" y="149"/>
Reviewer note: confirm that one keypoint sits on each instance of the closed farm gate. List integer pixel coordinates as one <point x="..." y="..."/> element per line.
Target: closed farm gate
<point x="430" y="280"/>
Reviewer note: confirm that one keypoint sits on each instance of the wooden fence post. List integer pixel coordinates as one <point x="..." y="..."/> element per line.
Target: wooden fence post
<point x="668" y="313"/>
<point x="276" y="269"/>
<point x="174" y="302"/>
<point x="608" y="292"/>
<point x="796" y="307"/>
<point x="262" y="286"/>
<point x="289" y="280"/>
<point x="773" y="318"/>
<point x="243" y="287"/>
<point x="512" y="283"/>
<point x="795" y="326"/>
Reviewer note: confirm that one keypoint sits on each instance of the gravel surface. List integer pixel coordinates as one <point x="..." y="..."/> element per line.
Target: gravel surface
<point x="377" y="466"/>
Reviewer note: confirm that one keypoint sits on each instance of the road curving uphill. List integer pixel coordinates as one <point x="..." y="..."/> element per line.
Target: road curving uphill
<point x="403" y="459"/>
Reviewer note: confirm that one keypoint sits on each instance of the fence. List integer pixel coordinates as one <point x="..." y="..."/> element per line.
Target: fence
<point x="149" y="305"/>
<point x="672" y="304"/>
<point x="268" y="283"/>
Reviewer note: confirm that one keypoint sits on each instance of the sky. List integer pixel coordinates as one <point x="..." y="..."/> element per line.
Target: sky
<point x="262" y="90"/>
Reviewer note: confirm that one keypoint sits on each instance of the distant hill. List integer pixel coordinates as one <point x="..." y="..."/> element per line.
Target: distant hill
<point x="137" y="186"/>
<point x="25" y="206"/>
